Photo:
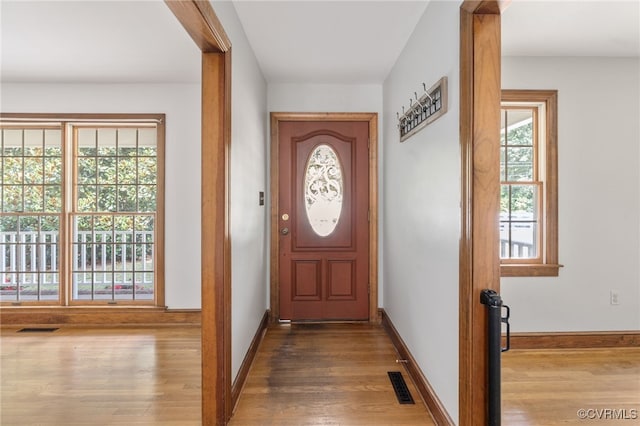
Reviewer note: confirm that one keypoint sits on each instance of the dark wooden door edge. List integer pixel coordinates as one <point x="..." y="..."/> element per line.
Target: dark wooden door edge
<point x="429" y="396"/>
<point x="372" y="119"/>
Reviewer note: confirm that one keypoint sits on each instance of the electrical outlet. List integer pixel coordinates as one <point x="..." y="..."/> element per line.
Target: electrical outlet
<point x="614" y="297"/>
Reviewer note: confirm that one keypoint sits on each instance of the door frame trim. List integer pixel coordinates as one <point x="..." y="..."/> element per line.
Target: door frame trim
<point x="372" y="119"/>
<point x="480" y="90"/>
<point x="201" y="22"/>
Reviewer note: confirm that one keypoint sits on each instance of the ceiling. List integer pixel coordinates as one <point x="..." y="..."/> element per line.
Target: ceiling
<point x="571" y="28"/>
<point x="95" y="42"/>
<point x="300" y="41"/>
<point x="329" y="41"/>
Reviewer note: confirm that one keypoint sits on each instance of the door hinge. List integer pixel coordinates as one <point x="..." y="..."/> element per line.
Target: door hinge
<point x="369" y="288"/>
<point x="368" y="143"/>
<point x="368" y="215"/>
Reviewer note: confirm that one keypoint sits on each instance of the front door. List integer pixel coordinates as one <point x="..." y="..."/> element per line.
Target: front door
<point x="323" y="220"/>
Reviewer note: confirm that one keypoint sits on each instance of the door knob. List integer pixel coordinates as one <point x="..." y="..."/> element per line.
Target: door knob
<point x="284" y="231"/>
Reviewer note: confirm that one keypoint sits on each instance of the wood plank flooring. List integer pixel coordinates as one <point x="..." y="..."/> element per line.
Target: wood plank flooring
<point x="303" y="375"/>
<point x="102" y="376"/>
<point x="326" y="374"/>
<point x="550" y="387"/>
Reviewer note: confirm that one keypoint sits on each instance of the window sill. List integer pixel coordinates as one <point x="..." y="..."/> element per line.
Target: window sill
<point x="86" y="316"/>
<point x="529" y="270"/>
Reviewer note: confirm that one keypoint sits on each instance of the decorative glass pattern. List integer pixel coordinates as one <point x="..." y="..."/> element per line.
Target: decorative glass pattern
<point x="323" y="190"/>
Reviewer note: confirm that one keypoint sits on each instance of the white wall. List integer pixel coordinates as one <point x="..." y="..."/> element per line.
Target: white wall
<point x="181" y="104"/>
<point x="248" y="178"/>
<point x="324" y="98"/>
<point x="599" y="196"/>
<point x="422" y="205"/>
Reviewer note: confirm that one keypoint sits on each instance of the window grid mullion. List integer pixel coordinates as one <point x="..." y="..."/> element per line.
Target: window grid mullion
<point x="22" y="184"/>
<point x="33" y="247"/>
<point x="113" y="254"/>
<point x="3" y="171"/>
<point x="117" y="167"/>
<point x="134" y="249"/>
<point x="137" y="159"/>
<point x="510" y="219"/>
<point x="534" y="142"/>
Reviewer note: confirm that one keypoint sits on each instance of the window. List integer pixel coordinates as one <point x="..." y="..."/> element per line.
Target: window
<point x="81" y="208"/>
<point x="323" y="190"/>
<point x="31" y="206"/>
<point x="528" y="183"/>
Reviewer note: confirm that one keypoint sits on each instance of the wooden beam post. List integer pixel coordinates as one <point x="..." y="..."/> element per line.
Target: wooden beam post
<point x="200" y="21"/>
<point x="216" y="297"/>
<point x="479" y="137"/>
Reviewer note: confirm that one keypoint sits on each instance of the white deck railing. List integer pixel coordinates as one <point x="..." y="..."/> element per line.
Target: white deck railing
<point x="519" y="250"/>
<point x="99" y="257"/>
<point x="23" y="257"/>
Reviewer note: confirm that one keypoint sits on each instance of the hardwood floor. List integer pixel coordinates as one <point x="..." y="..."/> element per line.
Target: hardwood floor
<point x="101" y="376"/>
<point x="550" y="387"/>
<point x="303" y="375"/>
<point x="326" y="374"/>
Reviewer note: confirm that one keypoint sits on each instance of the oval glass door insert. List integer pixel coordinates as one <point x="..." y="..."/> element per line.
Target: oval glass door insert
<point x="323" y="186"/>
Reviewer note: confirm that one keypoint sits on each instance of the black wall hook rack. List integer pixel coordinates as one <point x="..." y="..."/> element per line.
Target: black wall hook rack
<point x="423" y="110"/>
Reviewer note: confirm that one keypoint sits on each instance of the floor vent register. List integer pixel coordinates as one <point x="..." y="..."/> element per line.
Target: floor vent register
<point x="400" y="387"/>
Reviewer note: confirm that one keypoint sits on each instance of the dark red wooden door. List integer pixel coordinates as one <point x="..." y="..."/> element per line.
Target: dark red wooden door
<point x="323" y="220"/>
